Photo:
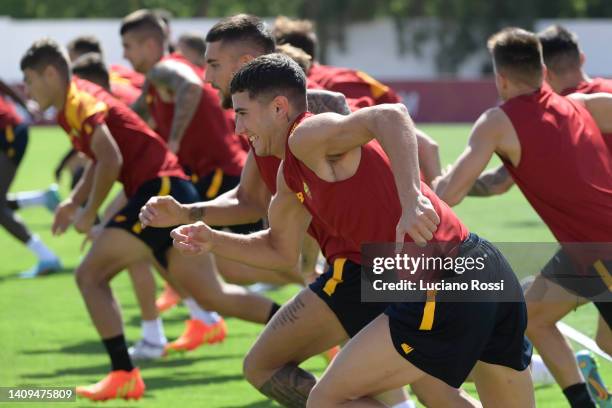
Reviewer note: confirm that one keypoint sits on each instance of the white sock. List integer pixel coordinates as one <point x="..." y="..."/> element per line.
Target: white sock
<point x="153" y="331"/>
<point x="539" y="372"/>
<point x="40" y="249"/>
<point x="27" y="199"/>
<point x="197" y="313"/>
<point x="405" y="404"/>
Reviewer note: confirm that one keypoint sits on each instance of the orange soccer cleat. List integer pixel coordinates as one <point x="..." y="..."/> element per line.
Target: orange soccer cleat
<point x="117" y="384"/>
<point x="197" y="333"/>
<point x="167" y="300"/>
<point x="330" y="354"/>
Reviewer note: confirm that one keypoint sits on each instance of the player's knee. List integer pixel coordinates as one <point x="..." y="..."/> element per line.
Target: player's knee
<point x="252" y="371"/>
<point x="604" y="341"/>
<point x="320" y="395"/>
<point x="86" y="277"/>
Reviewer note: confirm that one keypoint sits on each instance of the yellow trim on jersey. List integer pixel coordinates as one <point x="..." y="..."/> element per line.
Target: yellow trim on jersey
<point x="9" y="134"/>
<point x="429" y="311"/>
<point x="603" y="273"/>
<point x="215" y="184"/>
<point x="115" y="78"/>
<point x="79" y="106"/>
<point x="378" y="89"/>
<point x="330" y="285"/>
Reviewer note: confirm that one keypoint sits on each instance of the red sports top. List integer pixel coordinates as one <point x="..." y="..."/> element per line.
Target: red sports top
<point x="8" y="114"/>
<point x="145" y="155"/>
<point x="364" y="208"/>
<point x="121" y="74"/>
<point x="126" y="93"/>
<point x="594" y="86"/>
<point x="565" y="170"/>
<point x="353" y="84"/>
<point x="209" y="142"/>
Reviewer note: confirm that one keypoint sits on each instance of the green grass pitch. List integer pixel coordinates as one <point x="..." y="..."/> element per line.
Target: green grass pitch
<point x="48" y="340"/>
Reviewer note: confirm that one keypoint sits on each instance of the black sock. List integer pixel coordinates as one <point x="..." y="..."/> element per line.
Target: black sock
<point x="273" y="310"/>
<point x="13" y="204"/>
<point x="118" y="353"/>
<point x="578" y="396"/>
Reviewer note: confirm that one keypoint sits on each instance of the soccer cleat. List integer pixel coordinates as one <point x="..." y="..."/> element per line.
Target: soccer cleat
<point x="330" y="354"/>
<point x="595" y="384"/>
<point x="52" y="198"/>
<point x="197" y="333"/>
<point x="117" y="384"/>
<point x="167" y="300"/>
<point x="144" y="350"/>
<point x="42" y="268"/>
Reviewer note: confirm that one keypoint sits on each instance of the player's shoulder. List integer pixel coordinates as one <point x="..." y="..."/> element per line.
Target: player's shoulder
<point x="493" y="121"/>
<point x="82" y="102"/>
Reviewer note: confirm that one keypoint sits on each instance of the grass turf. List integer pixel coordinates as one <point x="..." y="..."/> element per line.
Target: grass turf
<point x="48" y="339"/>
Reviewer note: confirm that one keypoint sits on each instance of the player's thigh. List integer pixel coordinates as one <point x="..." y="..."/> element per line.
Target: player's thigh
<point x="503" y="387"/>
<point x="113" y="250"/>
<point x="434" y="393"/>
<point x="7" y="174"/>
<point x="548" y="302"/>
<point x="194" y="273"/>
<point x="302" y="328"/>
<point x="374" y="365"/>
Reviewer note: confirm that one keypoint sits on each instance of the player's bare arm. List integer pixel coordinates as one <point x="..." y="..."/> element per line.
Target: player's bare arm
<point x="321" y="101"/>
<point x="140" y="105"/>
<point x="246" y="203"/>
<point x="492" y="182"/>
<point x="65" y="212"/>
<point x="429" y="156"/>
<point x="485" y="139"/>
<point x="186" y="89"/>
<point x="599" y="106"/>
<point x="105" y="173"/>
<point x="7" y="90"/>
<point x="277" y="248"/>
<point x="323" y="138"/>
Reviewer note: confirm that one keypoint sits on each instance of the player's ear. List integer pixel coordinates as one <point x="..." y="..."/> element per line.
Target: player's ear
<point x="582" y="59"/>
<point x="280" y="104"/>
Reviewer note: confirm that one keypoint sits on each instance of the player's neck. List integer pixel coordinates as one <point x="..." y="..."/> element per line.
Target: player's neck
<point x="519" y="90"/>
<point x="283" y="132"/>
<point x="572" y="80"/>
<point x="60" y="96"/>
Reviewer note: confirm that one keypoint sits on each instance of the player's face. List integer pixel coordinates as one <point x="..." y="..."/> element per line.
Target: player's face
<point x="254" y="119"/>
<point x="500" y="83"/>
<point x="189" y="53"/>
<point x="135" y="51"/>
<point x="38" y="87"/>
<point x="221" y="65"/>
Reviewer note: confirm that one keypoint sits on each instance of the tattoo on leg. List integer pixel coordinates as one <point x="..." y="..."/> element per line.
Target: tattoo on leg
<point x="197" y="213"/>
<point x="287" y="314"/>
<point x="289" y="386"/>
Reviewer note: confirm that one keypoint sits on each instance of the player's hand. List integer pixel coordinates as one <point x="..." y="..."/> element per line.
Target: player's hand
<point x="84" y="220"/>
<point x="64" y="216"/>
<point x="420" y="222"/>
<point x="192" y="239"/>
<point x="163" y="211"/>
<point x="91" y="236"/>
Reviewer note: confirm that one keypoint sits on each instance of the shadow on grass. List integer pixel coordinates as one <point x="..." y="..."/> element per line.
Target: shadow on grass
<point x="16" y="274"/>
<point x="258" y="404"/>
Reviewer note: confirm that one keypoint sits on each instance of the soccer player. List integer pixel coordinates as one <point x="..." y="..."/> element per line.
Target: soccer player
<point x="13" y="143"/>
<point x="553" y="149"/>
<point x="193" y="47"/>
<point x="352" y="83"/>
<point x="327" y="158"/>
<point x="189" y="117"/>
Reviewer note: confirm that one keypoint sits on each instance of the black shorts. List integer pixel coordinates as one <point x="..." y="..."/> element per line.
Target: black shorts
<point x="340" y="289"/>
<point x="158" y="239"/>
<point x="446" y="339"/>
<point x="13" y="142"/>
<point x="216" y="183"/>
<point x="594" y="284"/>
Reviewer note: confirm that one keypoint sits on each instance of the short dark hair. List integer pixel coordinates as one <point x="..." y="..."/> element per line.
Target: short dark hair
<point x="243" y="28"/>
<point x="299" y="33"/>
<point x="560" y="49"/>
<point x="43" y="53"/>
<point x="272" y="74"/>
<point x="84" y="44"/>
<point x="195" y="41"/>
<point x="147" y="22"/>
<point x="518" y="53"/>
<point x="91" y="67"/>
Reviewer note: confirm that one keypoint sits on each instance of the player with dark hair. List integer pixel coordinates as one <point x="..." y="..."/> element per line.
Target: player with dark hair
<point x="325" y="159"/>
<point x="192" y="46"/>
<point x="553" y="149"/>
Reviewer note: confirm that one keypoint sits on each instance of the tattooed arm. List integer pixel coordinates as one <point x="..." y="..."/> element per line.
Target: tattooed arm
<point x="178" y="81"/>
<point x="140" y="105"/>
<point x="320" y="101"/>
<point x="492" y="182"/>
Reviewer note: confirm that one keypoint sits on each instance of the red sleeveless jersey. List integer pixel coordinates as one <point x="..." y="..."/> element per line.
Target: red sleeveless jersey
<point x="120" y="74"/>
<point x="364" y="208"/>
<point x="209" y="142"/>
<point x="8" y="114"/>
<point x="145" y="155"/>
<point x="565" y="170"/>
<point x="594" y="86"/>
<point x="353" y="84"/>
